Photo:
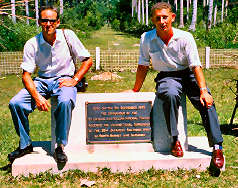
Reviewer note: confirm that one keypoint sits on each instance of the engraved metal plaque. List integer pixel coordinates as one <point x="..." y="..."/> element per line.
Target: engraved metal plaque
<point x="118" y="122"/>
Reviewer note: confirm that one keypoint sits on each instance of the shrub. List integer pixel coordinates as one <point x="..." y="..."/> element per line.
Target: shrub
<point x="14" y="36"/>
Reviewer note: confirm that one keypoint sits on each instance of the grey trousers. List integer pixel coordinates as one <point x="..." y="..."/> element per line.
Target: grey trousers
<point x="170" y="86"/>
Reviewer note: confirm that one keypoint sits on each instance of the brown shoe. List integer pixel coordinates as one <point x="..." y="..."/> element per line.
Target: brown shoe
<point x="177" y="150"/>
<point x="217" y="158"/>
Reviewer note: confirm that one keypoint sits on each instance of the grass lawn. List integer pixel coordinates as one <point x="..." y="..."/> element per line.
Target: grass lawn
<point x="40" y="130"/>
<point x="108" y="39"/>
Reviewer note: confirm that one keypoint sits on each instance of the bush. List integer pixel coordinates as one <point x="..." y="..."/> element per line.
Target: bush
<point x="116" y="25"/>
<point x="14" y="36"/>
<point x="221" y="36"/>
<point x="83" y="18"/>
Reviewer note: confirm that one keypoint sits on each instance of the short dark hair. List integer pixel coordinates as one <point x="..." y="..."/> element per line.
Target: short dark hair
<point x="48" y="7"/>
<point x="160" y="6"/>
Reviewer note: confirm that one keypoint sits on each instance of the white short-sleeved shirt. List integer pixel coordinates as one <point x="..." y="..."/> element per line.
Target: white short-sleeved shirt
<point x="53" y="60"/>
<point x="180" y="53"/>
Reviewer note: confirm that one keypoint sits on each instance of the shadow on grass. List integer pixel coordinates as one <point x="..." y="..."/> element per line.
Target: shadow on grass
<point x="228" y="129"/>
<point x="199" y="150"/>
<point x="213" y="170"/>
<point x="7" y="168"/>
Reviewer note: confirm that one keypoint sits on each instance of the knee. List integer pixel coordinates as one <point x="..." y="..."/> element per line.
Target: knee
<point x="170" y="96"/>
<point x="65" y="103"/>
<point x="14" y="103"/>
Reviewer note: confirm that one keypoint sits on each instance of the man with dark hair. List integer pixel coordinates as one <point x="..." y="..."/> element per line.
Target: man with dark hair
<point x="56" y="78"/>
<point x="174" y="53"/>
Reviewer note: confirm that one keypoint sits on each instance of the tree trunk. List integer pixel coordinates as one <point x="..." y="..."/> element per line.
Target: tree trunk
<point x="215" y="14"/>
<point x="204" y="9"/>
<point x="37" y="12"/>
<point x="192" y="27"/>
<point x="176" y="9"/>
<point x="227" y="2"/>
<point x="181" y="24"/>
<point x="133" y="5"/>
<point x="222" y="10"/>
<point x="138" y="13"/>
<point x="146" y="13"/>
<point x="209" y="23"/>
<point x="143" y="11"/>
<point x="176" y="5"/>
<point x="187" y="16"/>
<point x="27" y="12"/>
<point x="61" y="7"/>
<point x="13" y="9"/>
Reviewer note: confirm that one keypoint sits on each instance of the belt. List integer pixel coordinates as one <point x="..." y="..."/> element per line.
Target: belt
<point x="179" y="73"/>
<point x="176" y="74"/>
<point x="44" y="77"/>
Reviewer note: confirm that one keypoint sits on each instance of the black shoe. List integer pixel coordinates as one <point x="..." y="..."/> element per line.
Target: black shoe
<point x="19" y="153"/>
<point x="60" y="155"/>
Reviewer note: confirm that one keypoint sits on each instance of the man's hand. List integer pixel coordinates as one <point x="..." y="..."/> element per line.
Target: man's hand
<point x="68" y="82"/>
<point x="42" y="104"/>
<point x="206" y="99"/>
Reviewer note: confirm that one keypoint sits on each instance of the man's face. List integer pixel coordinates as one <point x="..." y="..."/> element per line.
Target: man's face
<point x="163" y="19"/>
<point x="49" y="22"/>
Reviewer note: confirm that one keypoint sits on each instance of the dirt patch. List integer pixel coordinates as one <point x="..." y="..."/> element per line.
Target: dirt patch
<point x="106" y="76"/>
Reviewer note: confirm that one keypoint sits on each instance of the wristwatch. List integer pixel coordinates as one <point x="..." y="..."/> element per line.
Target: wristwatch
<point x="203" y="88"/>
<point x="76" y="79"/>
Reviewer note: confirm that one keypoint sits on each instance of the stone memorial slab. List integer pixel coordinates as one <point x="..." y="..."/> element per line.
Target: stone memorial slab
<point x="118" y="122"/>
<point x="87" y="153"/>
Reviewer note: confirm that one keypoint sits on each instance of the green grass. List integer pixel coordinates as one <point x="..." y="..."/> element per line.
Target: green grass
<point x="107" y="39"/>
<point x="40" y="130"/>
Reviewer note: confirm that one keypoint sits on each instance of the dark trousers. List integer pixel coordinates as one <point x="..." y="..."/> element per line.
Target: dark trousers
<point x="169" y="88"/>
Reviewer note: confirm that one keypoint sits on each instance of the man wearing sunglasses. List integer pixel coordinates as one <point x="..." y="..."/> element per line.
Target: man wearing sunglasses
<point x="174" y="53"/>
<point x="49" y="52"/>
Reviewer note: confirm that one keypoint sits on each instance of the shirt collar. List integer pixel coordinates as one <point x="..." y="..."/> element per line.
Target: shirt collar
<point x="154" y="34"/>
<point x="175" y="34"/>
<point x="59" y="37"/>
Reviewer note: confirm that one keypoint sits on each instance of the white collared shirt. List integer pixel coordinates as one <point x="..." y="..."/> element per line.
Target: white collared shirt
<point x="53" y="60"/>
<point x="180" y="53"/>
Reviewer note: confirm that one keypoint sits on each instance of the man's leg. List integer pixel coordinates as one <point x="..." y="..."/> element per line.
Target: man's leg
<point x="209" y="118"/>
<point x="66" y="98"/>
<point x="208" y="115"/>
<point x="20" y="107"/>
<point x="169" y="90"/>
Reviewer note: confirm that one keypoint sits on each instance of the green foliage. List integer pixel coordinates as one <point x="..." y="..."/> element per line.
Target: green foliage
<point x="14" y="36"/>
<point x="222" y="36"/>
<point x="84" y="17"/>
<point x="232" y="15"/>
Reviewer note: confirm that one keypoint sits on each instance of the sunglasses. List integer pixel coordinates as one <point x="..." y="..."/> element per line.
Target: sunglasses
<point x="47" y="20"/>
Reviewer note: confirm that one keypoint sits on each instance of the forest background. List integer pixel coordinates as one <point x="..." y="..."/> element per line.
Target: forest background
<point x="214" y="23"/>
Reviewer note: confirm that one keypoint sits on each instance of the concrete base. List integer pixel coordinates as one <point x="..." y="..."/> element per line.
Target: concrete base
<point x="117" y="157"/>
<point x="161" y="137"/>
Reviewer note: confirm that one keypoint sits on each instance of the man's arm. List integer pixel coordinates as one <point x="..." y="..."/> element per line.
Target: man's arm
<point x="205" y="97"/>
<point x="140" y="77"/>
<point x="41" y="103"/>
<point x="86" y="64"/>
